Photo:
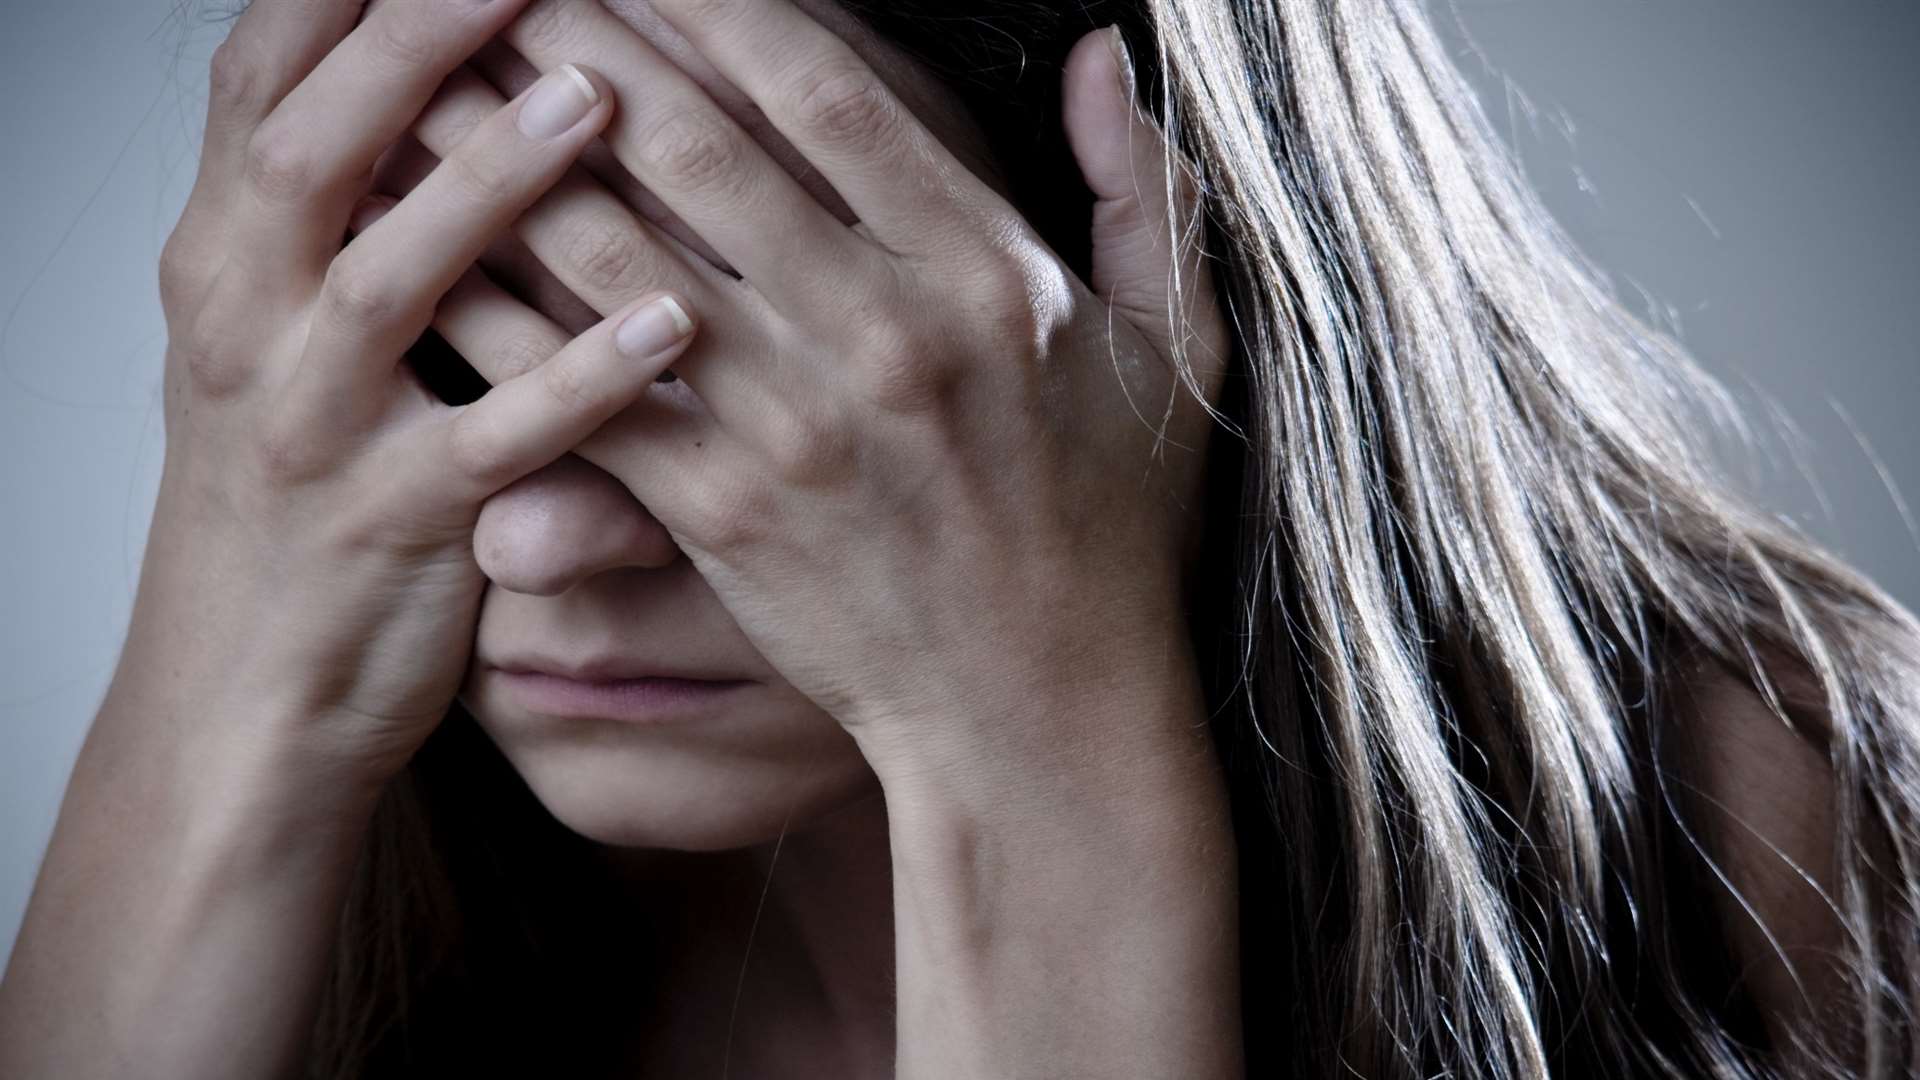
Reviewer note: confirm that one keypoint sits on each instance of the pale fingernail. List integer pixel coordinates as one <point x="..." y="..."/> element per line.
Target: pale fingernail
<point x="653" y="329"/>
<point x="561" y="100"/>
<point x="1123" y="60"/>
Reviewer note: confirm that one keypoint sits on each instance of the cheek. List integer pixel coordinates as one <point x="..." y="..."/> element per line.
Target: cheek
<point x="771" y="762"/>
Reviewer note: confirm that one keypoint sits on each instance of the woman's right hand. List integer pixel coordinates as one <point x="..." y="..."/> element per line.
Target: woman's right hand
<point x="311" y="551"/>
<point x="309" y="594"/>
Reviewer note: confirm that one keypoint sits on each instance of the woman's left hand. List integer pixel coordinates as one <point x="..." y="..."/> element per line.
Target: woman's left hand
<point x="930" y="473"/>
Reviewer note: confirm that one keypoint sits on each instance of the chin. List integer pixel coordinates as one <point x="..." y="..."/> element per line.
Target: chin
<point x="736" y="783"/>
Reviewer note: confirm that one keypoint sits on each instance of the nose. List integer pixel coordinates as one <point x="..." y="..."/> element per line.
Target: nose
<point x="559" y="526"/>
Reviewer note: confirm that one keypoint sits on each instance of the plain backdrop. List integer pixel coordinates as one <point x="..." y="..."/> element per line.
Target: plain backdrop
<point x="1743" y="169"/>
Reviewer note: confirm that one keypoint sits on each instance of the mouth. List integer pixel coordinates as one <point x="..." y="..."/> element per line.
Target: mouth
<point x="601" y="692"/>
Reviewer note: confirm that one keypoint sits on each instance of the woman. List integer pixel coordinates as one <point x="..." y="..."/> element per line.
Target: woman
<point x="1442" y="714"/>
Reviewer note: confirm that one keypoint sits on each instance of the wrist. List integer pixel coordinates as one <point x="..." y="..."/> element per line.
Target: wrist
<point x="240" y="769"/>
<point x="1021" y="884"/>
<point x="1091" y="728"/>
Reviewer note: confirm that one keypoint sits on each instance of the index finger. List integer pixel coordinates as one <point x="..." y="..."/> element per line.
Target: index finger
<point x="908" y="189"/>
<point x="272" y="46"/>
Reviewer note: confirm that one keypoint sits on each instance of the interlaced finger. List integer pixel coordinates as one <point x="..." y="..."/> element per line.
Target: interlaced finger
<point x="380" y="293"/>
<point x="674" y="138"/>
<point x="310" y="160"/>
<point x="910" y="191"/>
<point x="580" y="231"/>
<point x="660" y="443"/>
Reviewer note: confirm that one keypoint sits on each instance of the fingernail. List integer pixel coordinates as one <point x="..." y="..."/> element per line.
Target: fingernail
<point x="561" y="100"/>
<point x="653" y="329"/>
<point x="1122" y="59"/>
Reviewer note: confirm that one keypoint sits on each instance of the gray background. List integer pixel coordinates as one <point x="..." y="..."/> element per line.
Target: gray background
<point x="1743" y="168"/>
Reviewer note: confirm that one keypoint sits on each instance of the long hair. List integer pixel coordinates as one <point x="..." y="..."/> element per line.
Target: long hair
<point x="1462" y="534"/>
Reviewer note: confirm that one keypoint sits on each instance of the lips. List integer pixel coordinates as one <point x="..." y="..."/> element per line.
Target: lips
<point x="613" y="669"/>
<point x="614" y="688"/>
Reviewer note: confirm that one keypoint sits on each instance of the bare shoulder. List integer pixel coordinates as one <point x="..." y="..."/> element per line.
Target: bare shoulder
<point x="1764" y="806"/>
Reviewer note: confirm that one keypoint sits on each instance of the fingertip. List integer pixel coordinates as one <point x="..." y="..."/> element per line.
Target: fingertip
<point x="1099" y="112"/>
<point x="592" y="83"/>
<point x="564" y="103"/>
<point x="1121" y="57"/>
<point x="1100" y="65"/>
<point x="654" y="327"/>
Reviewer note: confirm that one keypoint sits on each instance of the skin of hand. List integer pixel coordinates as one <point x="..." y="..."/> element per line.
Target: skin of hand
<point x="309" y="589"/>
<point x="929" y="472"/>
<point x="318" y="504"/>
<point x="947" y="491"/>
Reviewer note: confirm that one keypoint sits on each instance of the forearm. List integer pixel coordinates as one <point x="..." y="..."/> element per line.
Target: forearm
<point x="1075" y="914"/>
<point x="184" y="913"/>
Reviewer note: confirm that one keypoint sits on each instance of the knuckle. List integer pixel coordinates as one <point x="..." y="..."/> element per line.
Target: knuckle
<point x="235" y="80"/>
<point x="290" y="454"/>
<point x="184" y="270"/>
<point x="900" y="384"/>
<point x="480" y="177"/>
<point x="357" y="298"/>
<point x="548" y="26"/>
<point x="216" y="368"/>
<point x="279" y="164"/>
<point x="449" y="119"/>
<point x="516" y="354"/>
<point x="808" y="454"/>
<point x="1017" y="304"/>
<point x="899" y="374"/>
<point x="479" y="450"/>
<point x="213" y="373"/>
<point x="402" y="44"/>
<point x="691" y="152"/>
<point x="608" y="259"/>
<point x="571" y="384"/>
<point x="709" y="13"/>
<point x="734" y="511"/>
<point x="844" y="105"/>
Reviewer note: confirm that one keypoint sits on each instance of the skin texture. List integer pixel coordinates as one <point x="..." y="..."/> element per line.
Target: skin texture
<point x="231" y="811"/>
<point x="306" y="608"/>
<point x="579" y="568"/>
<point x="308" y="590"/>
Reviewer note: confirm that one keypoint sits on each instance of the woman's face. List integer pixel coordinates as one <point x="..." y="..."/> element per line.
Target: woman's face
<point x="583" y="578"/>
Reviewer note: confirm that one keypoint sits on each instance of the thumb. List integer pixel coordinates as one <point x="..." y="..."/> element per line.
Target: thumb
<point x="1140" y="228"/>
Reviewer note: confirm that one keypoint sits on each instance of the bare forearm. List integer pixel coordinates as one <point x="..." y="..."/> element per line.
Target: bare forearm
<point x="184" y="913"/>
<point x="1078" y="920"/>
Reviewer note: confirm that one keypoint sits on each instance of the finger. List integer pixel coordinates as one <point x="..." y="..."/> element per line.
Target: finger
<point x="498" y="65"/>
<point x="506" y="260"/>
<point x="532" y="418"/>
<point x="498" y="335"/>
<point x="664" y="447"/>
<point x="579" y="230"/>
<point x="908" y="189"/>
<point x="501" y="337"/>
<point x="674" y="139"/>
<point x="593" y="245"/>
<point x="273" y="45"/>
<point x="310" y="160"/>
<point x="1148" y="264"/>
<point x="380" y="293"/>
